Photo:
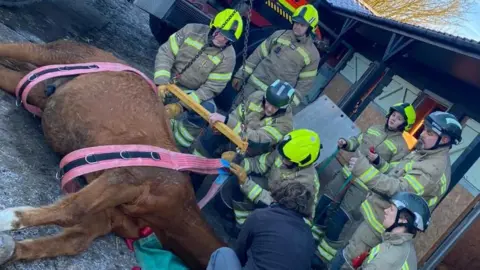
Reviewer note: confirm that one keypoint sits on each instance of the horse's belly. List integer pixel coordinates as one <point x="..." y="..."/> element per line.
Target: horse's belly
<point x="103" y="108"/>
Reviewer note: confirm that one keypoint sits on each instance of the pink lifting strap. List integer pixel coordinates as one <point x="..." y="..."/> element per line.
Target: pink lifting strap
<point x="38" y="75"/>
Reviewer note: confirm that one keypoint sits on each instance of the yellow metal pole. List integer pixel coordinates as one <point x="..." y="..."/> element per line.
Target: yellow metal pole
<point x="224" y="129"/>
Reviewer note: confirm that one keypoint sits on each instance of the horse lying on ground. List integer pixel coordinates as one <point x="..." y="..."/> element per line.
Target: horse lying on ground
<point x="105" y="108"/>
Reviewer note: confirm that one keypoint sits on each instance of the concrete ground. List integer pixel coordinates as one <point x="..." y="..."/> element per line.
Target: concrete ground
<point x="27" y="164"/>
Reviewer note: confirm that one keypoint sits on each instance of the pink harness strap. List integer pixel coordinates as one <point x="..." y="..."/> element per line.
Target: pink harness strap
<point x="159" y="158"/>
<point x="38" y="75"/>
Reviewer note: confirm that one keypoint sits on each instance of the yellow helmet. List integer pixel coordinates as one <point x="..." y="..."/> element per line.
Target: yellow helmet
<point x="229" y="23"/>
<point x="306" y="14"/>
<point x="300" y="146"/>
<point x="407" y="111"/>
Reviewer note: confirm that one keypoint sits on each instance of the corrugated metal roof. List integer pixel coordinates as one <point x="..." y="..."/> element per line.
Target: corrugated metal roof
<point x="356" y="6"/>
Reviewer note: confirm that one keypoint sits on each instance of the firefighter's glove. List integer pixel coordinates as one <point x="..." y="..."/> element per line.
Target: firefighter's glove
<point x="173" y="110"/>
<point x="162" y="92"/>
<point x="240" y="172"/>
<point x="229" y="155"/>
<point x="236" y="83"/>
<point x="352" y="163"/>
<point x="342" y="143"/>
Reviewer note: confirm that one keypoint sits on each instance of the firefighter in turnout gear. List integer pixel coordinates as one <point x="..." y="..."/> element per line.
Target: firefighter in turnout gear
<point x="390" y="146"/>
<point x="188" y="128"/>
<point x="407" y="214"/>
<point x="425" y="172"/>
<point x="288" y="55"/>
<point x="265" y="120"/>
<point x="199" y="59"/>
<point x="291" y="161"/>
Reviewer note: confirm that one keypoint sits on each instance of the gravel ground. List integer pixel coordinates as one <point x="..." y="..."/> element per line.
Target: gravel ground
<point x="27" y="164"/>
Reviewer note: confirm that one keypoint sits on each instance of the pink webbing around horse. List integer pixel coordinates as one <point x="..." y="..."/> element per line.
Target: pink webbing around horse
<point x="88" y="160"/>
<point x="38" y="75"/>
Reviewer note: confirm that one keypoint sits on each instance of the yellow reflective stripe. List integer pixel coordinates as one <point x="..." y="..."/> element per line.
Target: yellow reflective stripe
<point x="254" y="192"/>
<point x="432" y="201"/>
<point x="304" y="54"/>
<point x="258" y="83"/>
<point x="405" y="266"/>
<point x="220" y="76"/>
<point x="214" y="59"/>
<point x="360" y="138"/>
<point x="284" y="41"/>
<point x="385" y="167"/>
<point x="255" y="107"/>
<point x="196" y="153"/>
<point x="373" y="132"/>
<point x="308" y="222"/>
<point x="238" y="128"/>
<point x="412" y="180"/>
<point x="346" y="172"/>
<point x="361" y="184"/>
<point x="246" y="165"/>
<point x="274" y="132"/>
<point x="185" y="132"/>
<point x="263" y="162"/>
<point x="394" y="164"/>
<point x="264" y="49"/>
<point x="194" y="96"/>
<point x="316" y="232"/>
<point x="239" y="110"/>
<point x="391" y="146"/>
<point x="296" y="100"/>
<point x="278" y="162"/>
<point x="248" y="69"/>
<point x="173" y="44"/>
<point x="180" y="139"/>
<point x="324" y="254"/>
<point x="268" y="121"/>
<point x="241" y="216"/>
<point x="327" y="247"/>
<point x="373" y="253"/>
<point x="367" y="208"/>
<point x="443" y="186"/>
<point x="409" y="166"/>
<point x="350" y="144"/>
<point x="194" y="43"/>
<point x="162" y="73"/>
<point x="308" y="74"/>
<point x="368" y="174"/>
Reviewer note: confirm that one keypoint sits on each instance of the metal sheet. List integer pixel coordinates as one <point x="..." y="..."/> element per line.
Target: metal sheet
<point x="329" y="121"/>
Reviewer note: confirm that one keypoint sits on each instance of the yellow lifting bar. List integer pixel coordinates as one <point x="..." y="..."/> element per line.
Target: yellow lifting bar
<point x="224" y="129"/>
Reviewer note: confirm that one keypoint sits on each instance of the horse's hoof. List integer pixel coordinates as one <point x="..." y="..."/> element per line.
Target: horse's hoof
<point x="9" y="219"/>
<point x="7" y="247"/>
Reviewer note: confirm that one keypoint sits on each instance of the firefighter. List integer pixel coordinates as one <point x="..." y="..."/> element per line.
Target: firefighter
<point x="292" y="161"/>
<point x="211" y="71"/>
<point x="289" y="55"/>
<point x="407" y="214"/>
<point x="267" y="118"/>
<point x="187" y="129"/>
<point x="389" y="146"/>
<point x="425" y="172"/>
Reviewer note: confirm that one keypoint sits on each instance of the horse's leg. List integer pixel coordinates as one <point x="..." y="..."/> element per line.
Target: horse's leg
<point x="95" y="197"/>
<point x="70" y="242"/>
<point x="9" y="79"/>
<point x="58" y="52"/>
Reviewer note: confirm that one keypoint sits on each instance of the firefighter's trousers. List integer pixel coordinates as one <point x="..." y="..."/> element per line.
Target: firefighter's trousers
<point x="337" y="222"/>
<point x="242" y="206"/>
<point x="364" y="239"/>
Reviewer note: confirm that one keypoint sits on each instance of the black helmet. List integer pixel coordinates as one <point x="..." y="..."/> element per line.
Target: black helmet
<point x="444" y="123"/>
<point x="280" y="94"/>
<point x="417" y="207"/>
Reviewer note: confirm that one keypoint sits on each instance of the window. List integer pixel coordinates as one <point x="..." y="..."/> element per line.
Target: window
<point x="398" y="90"/>
<point x="469" y="132"/>
<point x="355" y="68"/>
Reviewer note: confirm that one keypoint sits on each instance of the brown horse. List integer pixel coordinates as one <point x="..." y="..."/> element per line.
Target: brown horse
<point x="106" y="108"/>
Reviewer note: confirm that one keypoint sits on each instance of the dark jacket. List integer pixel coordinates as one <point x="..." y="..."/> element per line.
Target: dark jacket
<point x="275" y="238"/>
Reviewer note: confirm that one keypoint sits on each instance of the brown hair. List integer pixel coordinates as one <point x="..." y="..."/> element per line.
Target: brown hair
<point x="294" y="196"/>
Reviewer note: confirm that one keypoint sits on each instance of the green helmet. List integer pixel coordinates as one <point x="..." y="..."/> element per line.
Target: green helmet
<point x="280" y="94"/>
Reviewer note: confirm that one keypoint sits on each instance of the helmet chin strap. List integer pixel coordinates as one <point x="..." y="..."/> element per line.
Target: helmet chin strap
<point x="396" y="224"/>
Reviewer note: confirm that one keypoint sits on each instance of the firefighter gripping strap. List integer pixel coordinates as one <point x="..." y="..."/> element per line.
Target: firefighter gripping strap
<point x="200" y="110"/>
